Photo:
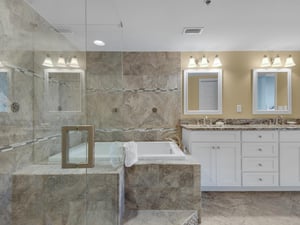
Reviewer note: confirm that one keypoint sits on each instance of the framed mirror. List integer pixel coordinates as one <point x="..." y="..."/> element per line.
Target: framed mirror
<point x="5" y="89"/>
<point x="202" y="91"/>
<point x="272" y="92"/>
<point x="64" y="90"/>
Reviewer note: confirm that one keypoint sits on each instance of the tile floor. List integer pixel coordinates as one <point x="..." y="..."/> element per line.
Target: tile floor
<point x="250" y="208"/>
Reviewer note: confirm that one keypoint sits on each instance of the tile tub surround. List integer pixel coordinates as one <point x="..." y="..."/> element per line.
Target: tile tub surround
<point x="45" y="194"/>
<point x="169" y="185"/>
<point x="250" y="208"/>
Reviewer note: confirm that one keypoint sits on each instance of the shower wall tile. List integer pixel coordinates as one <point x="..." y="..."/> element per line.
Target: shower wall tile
<point x="138" y="109"/>
<point x="104" y="70"/>
<point x="123" y="89"/>
<point x="104" y="109"/>
<point x="151" y="63"/>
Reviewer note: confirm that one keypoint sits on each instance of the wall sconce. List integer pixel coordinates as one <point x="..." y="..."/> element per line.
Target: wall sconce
<point x="265" y="62"/>
<point x="48" y="61"/>
<point x="192" y="62"/>
<point x="74" y="62"/>
<point x="203" y="62"/>
<point x="61" y="62"/>
<point x="1" y="65"/>
<point x="276" y="62"/>
<point x="289" y="62"/>
<point x="217" y="62"/>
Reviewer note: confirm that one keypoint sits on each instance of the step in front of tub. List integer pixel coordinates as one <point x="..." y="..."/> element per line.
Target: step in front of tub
<point x="161" y="217"/>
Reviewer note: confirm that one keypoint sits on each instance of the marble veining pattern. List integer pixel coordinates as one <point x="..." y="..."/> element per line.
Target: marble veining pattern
<point x="161" y="217"/>
<point x="163" y="187"/>
<point x="250" y="208"/>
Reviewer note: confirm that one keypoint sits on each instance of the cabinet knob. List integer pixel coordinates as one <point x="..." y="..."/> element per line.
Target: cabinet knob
<point x="259" y="136"/>
<point x="259" y="164"/>
<point x="218" y="147"/>
<point x="260" y="179"/>
<point x="213" y="147"/>
<point x="260" y="149"/>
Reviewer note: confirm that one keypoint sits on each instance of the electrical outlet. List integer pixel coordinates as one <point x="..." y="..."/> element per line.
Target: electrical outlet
<point x="239" y="108"/>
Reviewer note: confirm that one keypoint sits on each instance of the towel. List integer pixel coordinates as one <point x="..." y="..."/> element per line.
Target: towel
<point x="131" y="157"/>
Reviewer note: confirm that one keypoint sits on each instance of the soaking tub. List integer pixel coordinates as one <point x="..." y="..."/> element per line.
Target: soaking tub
<point x="113" y="152"/>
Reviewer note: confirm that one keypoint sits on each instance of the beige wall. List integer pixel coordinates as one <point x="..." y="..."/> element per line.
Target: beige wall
<point x="237" y="80"/>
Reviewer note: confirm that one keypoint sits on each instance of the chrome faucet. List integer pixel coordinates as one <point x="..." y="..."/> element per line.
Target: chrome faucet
<point x="205" y="120"/>
<point x="279" y="120"/>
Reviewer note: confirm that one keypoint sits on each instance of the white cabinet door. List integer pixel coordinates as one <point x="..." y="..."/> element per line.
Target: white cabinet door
<point x="220" y="163"/>
<point x="290" y="164"/>
<point x="206" y="156"/>
<point x="228" y="156"/>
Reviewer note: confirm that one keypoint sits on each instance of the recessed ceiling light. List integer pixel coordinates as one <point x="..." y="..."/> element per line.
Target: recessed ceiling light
<point x="99" y="43"/>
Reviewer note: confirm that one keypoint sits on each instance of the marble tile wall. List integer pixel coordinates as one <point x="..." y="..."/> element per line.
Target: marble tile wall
<point x="133" y="95"/>
<point x="163" y="187"/>
<point x="53" y="196"/>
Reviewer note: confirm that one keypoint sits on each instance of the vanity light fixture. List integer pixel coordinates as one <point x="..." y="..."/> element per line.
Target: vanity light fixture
<point x="192" y="62"/>
<point x="289" y="62"/>
<point x="277" y="62"/>
<point x="74" y="62"/>
<point x="204" y="62"/>
<point x="61" y="62"/>
<point x="217" y="62"/>
<point x="265" y="62"/>
<point x="48" y="61"/>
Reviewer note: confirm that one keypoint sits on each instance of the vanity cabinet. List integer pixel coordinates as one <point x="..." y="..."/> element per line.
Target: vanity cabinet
<point x="259" y="158"/>
<point x="219" y="153"/>
<point x="289" y="158"/>
<point x="246" y="160"/>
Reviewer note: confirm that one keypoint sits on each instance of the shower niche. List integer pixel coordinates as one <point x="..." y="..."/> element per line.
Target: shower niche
<point x="64" y="90"/>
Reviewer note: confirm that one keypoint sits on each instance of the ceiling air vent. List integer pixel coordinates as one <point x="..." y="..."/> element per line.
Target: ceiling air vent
<point x="192" y="30"/>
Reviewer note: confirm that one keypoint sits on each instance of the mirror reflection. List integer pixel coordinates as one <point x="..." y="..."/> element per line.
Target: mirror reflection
<point x="271" y="91"/>
<point x="64" y="90"/>
<point x="203" y="91"/>
<point x="4" y="90"/>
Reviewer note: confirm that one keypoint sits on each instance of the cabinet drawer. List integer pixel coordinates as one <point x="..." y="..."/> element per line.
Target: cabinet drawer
<point x="259" y="136"/>
<point x="260" y="149"/>
<point x="215" y="136"/>
<point x="260" y="179"/>
<point x="260" y="164"/>
<point x="289" y="136"/>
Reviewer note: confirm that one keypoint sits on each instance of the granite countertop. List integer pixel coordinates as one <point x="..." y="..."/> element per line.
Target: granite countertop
<point x="242" y="127"/>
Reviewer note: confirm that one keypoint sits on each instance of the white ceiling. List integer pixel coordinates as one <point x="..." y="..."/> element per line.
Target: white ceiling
<point x="157" y="25"/>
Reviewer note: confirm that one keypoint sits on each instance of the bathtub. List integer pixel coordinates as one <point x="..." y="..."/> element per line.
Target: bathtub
<point x="113" y="152"/>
